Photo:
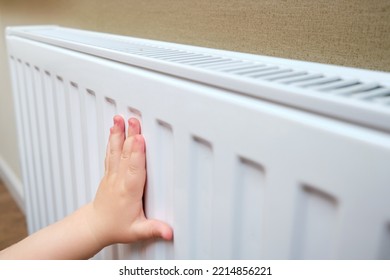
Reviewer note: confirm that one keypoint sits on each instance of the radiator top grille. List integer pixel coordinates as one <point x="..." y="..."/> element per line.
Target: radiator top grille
<point x="322" y="83"/>
<point x="346" y="86"/>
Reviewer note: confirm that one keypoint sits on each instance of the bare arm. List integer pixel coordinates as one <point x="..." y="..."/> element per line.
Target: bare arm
<point x="116" y="214"/>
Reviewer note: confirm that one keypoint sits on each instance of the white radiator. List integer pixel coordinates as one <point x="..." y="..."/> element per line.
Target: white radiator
<point x="248" y="157"/>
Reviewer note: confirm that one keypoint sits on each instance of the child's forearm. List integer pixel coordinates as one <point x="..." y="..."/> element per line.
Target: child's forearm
<point x="70" y="238"/>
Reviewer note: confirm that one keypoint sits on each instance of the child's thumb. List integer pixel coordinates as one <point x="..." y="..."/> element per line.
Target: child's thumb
<point x="150" y="229"/>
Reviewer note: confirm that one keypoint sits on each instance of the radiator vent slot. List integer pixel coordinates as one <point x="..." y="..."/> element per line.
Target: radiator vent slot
<point x="319" y="82"/>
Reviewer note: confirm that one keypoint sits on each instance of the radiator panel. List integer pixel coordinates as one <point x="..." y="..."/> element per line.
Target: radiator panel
<point x="237" y="177"/>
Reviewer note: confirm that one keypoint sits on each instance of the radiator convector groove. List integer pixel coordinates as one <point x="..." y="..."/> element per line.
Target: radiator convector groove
<point x="248" y="157"/>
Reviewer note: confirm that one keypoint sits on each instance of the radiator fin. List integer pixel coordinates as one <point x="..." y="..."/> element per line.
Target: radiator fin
<point x="35" y="175"/>
<point x="163" y="200"/>
<point x="202" y="179"/>
<point x="54" y="145"/>
<point x="63" y="136"/>
<point x="318" y="213"/>
<point x="78" y="156"/>
<point x="44" y="144"/>
<point x="18" y="100"/>
<point x="27" y="156"/>
<point x="34" y="138"/>
<point x="250" y="195"/>
<point x="90" y="136"/>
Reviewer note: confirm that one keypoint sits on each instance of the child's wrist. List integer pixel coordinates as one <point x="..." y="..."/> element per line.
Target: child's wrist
<point x="94" y="227"/>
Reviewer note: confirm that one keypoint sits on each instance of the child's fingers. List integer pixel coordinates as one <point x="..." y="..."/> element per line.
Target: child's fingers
<point x="137" y="160"/>
<point x="133" y="130"/>
<point x="134" y="127"/>
<point x="133" y="163"/>
<point x="117" y="138"/>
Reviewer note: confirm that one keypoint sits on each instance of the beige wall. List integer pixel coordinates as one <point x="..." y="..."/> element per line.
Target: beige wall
<point x="8" y="143"/>
<point x="346" y="32"/>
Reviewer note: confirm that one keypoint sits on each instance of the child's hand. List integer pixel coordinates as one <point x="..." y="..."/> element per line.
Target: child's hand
<point x="116" y="215"/>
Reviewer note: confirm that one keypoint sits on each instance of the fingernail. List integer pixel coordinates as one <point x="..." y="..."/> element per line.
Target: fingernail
<point x="132" y="122"/>
<point x="116" y="120"/>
